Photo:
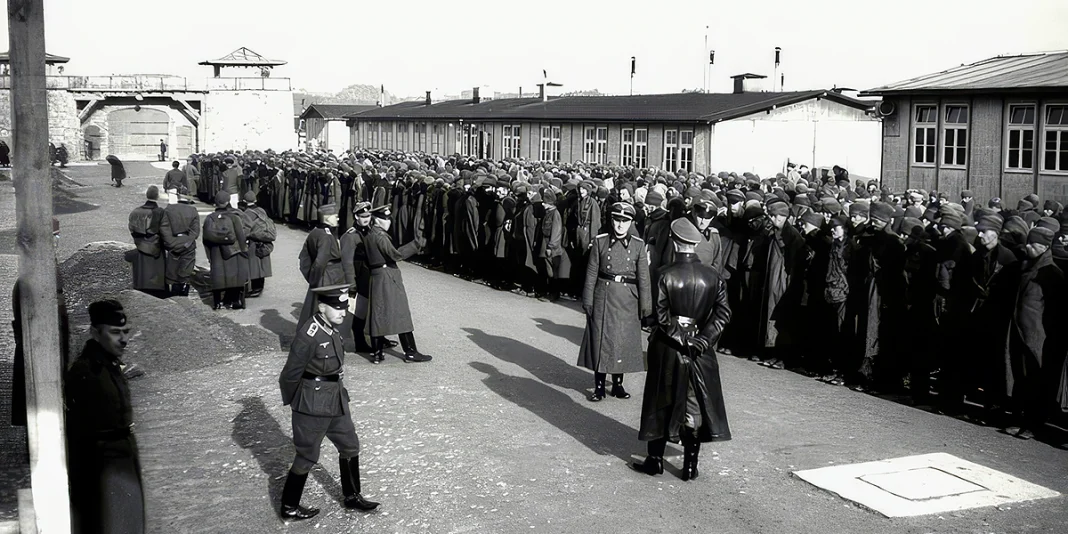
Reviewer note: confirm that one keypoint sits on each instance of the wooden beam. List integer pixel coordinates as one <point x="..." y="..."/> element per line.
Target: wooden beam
<point x="37" y="267"/>
<point x="192" y="113"/>
<point x="87" y="110"/>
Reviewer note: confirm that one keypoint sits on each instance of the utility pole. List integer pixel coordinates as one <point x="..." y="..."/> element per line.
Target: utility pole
<point x="704" y="67"/>
<point x="37" y="269"/>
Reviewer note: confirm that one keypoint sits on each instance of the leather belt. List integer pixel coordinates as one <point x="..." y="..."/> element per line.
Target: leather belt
<point x="321" y="378"/>
<point x="617" y="278"/>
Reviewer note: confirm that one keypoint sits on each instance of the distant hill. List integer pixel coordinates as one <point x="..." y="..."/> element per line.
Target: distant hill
<point x="353" y="94"/>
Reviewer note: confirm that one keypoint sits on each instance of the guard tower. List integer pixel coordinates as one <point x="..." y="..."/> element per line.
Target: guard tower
<point x="53" y="64"/>
<point x="244" y="58"/>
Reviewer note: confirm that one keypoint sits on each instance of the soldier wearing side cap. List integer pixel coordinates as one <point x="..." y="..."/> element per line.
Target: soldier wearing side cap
<point x="180" y="229"/>
<point x="388" y="311"/>
<point x="320" y="258"/>
<point x="683" y="397"/>
<point x="616" y="298"/>
<point x="105" y="474"/>
<point x="312" y="386"/>
<point x="261" y="235"/>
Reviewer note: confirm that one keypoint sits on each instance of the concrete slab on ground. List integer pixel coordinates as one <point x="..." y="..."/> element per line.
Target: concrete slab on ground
<point x="924" y="484"/>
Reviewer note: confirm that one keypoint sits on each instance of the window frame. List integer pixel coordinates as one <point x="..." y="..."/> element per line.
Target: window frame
<point x="589" y="144"/>
<point x="626" y="157"/>
<point x="957" y="127"/>
<point x="1009" y="128"/>
<point x="929" y="127"/>
<point x="549" y="145"/>
<point x="686" y="163"/>
<point x="1062" y="134"/>
<point x="673" y="149"/>
<point x="436" y="139"/>
<point x="512" y="141"/>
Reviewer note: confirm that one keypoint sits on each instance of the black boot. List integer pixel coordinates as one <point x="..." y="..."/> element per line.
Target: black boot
<point x="217" y="299"/>
<point x="388" y="343"/>
<point x="598" y="387"/>
<point x="291" y="492"/>
<point x="411" y="352"/>
<point x="350" y="486"/>
<point x="376" y="344"/>
<point x="357" y="334"/>
<point x="691" y="449"/>
<point x="654" y="463"/>
<point x="617" y="387"/>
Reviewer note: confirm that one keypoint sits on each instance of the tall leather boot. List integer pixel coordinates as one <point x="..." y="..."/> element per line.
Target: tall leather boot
<point x="654" y="463"/>
<point x="617" y="387"/>
<point x="411" y="352"/>
<point x="598" y="387"/>
<point x="350" y="486"/>
<point x="357" y="334"/>
<point x="376" y="344"/>
<point x="291" y="492"/>
<point x="691" y="450"/>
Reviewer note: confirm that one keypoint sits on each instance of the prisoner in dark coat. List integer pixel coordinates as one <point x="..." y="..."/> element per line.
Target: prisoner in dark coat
<point x="175" y="180"/>
<point x="149" y="261"/>
<point x="683" y="396"/>
<point x="180" y="229"/>
<point x="118" y="172"/>
<point x="105" y="473"/>
<point x="320" y="259"/>
<point x="616" y="299"/>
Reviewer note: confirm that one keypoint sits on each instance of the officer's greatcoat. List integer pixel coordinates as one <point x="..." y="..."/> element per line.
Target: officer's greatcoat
<point x="388" y="311"/>
<point x="614" y="307"/>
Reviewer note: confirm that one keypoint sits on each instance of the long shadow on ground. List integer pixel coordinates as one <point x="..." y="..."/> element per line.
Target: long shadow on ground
<point x="255" y="430"/>
<point x="598" y="432"/>
<point x="544" y="366"/>
<point x="565" y="331"/>
<point x="284" y="328"/>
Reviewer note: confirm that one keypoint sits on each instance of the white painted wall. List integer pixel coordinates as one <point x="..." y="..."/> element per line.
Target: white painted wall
<point x="337" y="136"/>
<point x="248" y="120"/>
<point x="816" y="133"/>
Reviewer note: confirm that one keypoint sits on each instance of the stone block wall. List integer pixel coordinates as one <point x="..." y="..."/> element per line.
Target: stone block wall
<point x="63" y="126"/>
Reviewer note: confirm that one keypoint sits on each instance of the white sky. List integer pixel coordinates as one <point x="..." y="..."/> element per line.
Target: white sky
<point x="418" y="45"/>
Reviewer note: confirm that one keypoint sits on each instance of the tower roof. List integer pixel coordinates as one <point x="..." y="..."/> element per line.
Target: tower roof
<point x="243" y="57"/>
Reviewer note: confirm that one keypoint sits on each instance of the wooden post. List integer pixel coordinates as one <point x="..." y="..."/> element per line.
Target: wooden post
<point x="37" y="267"/>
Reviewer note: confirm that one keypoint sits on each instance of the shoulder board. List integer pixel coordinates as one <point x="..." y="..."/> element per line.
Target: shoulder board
<point x="351" y="230"/>
<point x="638" y="239"/>
<point x="313" y="328"/>
<point x="713" y="228"/>
<point x="602" y="235"/>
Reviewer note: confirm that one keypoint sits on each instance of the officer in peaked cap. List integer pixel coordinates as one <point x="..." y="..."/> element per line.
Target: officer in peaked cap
<point x="683" y="398"/>
<point x="616" y="298"/>
<point x="320" y="258"/>
<point x="312" y="386"/>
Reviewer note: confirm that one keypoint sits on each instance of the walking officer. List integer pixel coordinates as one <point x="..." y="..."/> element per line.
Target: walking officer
<point x="616" y="298"/>
<point x="311" y="384"/>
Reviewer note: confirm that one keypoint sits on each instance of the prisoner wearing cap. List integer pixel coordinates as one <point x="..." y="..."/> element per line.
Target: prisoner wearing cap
<point x="881" y="211"/>
<point x="250" y="197"/>
<point x="1040" y="236"/>
<point x="107" y="313"/>
<point x="336" y="296"/>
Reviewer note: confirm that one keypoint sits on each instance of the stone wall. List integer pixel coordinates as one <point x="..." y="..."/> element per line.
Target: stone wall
<point x="99" y="118"/>
<point x="247" y="120"/>
<point x="63" y="127"/>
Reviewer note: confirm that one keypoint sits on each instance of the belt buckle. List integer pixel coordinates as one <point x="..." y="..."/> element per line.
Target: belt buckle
<point x="617" y="278"/>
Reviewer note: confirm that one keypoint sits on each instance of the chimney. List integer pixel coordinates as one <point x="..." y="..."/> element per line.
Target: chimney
<point x="541" y="92"/>
<point x="474" y="95"/>
<point x="428" y="98"/>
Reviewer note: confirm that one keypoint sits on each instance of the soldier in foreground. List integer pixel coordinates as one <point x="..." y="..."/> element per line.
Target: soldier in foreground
<point x="683" y="397"/>
<point x="105" y="473"/>
<point x="311" y="384"/>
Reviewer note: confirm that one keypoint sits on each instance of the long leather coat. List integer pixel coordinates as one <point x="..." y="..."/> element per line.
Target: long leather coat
<point x="693" y="292"/>
<point x="388" y="311"/>
<point x="320" y="263"/>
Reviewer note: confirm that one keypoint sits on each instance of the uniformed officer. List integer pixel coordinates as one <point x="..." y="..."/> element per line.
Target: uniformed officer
<point x="616" y="298"/>
<point x="357" y="272"/>
<point x="311" y="385"/>
<point x="105" y="473"/>
<point x="320" y="258"/>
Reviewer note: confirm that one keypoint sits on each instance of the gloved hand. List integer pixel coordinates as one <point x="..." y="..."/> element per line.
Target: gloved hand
<point x="697" y="343"/>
